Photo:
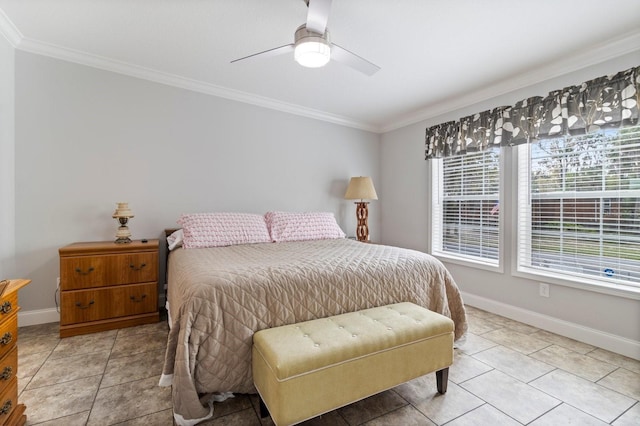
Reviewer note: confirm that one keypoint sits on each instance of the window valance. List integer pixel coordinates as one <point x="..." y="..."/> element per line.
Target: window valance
<point x="605" y="102"/>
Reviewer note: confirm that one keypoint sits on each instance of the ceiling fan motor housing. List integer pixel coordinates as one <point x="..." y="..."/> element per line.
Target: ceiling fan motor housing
<point x="303" y="33"/>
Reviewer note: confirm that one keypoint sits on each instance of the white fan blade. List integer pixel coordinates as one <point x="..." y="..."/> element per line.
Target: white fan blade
<point x="341" y="54"/>
<point x="318" y="15"/>
<point x="287" y="48"/>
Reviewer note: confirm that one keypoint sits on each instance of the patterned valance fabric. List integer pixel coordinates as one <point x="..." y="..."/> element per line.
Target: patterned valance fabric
<point x="605" y="102"/>
<point x="473" y="133"/>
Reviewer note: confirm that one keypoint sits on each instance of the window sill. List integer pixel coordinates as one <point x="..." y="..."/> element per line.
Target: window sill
<point x="469" y="262"/>
<point x="582" y="283"/>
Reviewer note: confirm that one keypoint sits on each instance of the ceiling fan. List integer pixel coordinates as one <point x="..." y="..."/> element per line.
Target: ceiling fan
<point x="312" y="46"/>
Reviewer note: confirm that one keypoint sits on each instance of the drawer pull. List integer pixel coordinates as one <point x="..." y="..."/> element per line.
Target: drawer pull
<point x="6" y="373"/>
<point x="138" y="300"/>
<point x="87" y="272"/>
<point x="142" y="265"/>
<point x="6" y="307"/>
<point x="87" y="306"/>
<point x="6" y="339"/>
<point x="6" y="407"/>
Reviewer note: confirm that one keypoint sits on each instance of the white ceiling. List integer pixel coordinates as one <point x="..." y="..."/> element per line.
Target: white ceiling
<point x="435" y="55"/>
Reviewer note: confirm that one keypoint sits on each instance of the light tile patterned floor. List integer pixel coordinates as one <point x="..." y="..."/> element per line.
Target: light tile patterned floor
<point x="506" y="373"/>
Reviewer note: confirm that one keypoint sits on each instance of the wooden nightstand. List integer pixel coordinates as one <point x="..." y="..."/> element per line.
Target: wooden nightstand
<point x="11" y="413"/>
<point x="104" y="285"/>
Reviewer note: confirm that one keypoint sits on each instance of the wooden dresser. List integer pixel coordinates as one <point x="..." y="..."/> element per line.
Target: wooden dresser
<point x="104" y="285"/>
<point x="11" y="412"/>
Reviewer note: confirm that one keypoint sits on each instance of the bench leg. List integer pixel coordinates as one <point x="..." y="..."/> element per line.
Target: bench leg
<point x="442" y="378"/>
<point x="264" y="412"/>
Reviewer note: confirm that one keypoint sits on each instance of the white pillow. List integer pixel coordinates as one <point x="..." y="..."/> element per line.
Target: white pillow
<point x="175" y="239"/>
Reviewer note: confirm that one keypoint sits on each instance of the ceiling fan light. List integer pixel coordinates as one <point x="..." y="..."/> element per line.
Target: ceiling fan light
<point x="312" y="53"/>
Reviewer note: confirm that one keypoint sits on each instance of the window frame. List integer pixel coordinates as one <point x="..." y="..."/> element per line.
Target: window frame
<point x="521" y="155"/>
<point x="436" y="174"/>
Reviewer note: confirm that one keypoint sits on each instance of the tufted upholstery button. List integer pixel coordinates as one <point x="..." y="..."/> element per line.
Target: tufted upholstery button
<point x="389" y="328"/>
<point x="354" y="335"/>
<point x="305" y="335"/>
<point x="316" y="345"/>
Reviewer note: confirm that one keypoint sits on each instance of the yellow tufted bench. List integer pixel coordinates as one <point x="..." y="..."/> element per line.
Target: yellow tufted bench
<point x="307" y="369"/>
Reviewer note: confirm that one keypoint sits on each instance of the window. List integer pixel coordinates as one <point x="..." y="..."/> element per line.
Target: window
<point x="466" y="209"/>
<point x="579" y="207"/>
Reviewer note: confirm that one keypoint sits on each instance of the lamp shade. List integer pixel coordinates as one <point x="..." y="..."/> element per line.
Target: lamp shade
<point x="361" y="188"/>
<point x="122" y="210"/>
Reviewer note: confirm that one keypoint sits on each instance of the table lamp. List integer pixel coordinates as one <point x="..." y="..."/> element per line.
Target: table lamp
<point x="361" y="188"/>
<point x="123" y="214"/>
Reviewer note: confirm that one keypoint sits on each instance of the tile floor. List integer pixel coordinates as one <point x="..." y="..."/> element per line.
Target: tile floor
<point x="506" y="373"/>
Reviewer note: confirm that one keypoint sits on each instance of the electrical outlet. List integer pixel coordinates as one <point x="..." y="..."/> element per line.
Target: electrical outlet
<point x="544" y="290"/>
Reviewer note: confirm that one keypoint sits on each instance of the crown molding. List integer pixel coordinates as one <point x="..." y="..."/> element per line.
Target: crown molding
<point x="610" y="49"/>
<point x="100" y="62"/>
<point x="18" y="41"/>
<point x="625" y="44"/>
<point x="9" y="31"/>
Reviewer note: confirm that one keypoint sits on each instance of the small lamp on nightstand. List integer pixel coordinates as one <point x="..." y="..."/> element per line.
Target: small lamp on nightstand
<point x="361" y="188"/>
<point x="123" y="214"/>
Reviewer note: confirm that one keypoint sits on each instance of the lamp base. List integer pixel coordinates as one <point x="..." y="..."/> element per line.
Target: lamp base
<point x="362" y="214"/>
<point x="123" y="236"/>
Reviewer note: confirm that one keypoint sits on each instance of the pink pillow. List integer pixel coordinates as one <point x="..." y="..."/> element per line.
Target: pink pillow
<point x="285" y="226"/>
<point x="202" y="230"/>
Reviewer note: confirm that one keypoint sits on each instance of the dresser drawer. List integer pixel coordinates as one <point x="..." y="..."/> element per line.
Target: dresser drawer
<point x="8" y="334"/>
<point x="107" y="270"/>
<point x="8" y="400"/>
<point x="111" y="302"/>
<point x="8" y="305"/>
<point x="8" y="368"/>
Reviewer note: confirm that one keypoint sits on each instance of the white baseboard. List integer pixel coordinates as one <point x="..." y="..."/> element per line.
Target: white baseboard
<point x="38" y="316"/>
<point x="43" y="316"/>
<point x="601" y="339"/>
<point x="610" y="342"/>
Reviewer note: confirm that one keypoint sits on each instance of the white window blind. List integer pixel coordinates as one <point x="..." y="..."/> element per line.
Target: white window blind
<point x="579" y="207"/>
<point x="466" y="210"/>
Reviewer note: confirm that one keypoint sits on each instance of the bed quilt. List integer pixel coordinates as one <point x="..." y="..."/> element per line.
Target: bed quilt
<point x="218" y="297"/>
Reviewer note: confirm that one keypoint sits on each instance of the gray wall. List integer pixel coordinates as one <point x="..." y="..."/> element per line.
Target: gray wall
<point x="7" y="150"/>
<point x="87" y="138"/>
<point x="405" y="211"/>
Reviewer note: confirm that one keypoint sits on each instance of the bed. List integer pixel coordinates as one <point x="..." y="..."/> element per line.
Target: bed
<point x="218" y="297"/>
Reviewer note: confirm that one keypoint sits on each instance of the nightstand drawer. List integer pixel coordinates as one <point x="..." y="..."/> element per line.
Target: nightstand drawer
<point x="8" y="334"/>
<point x="8" y="368"/>
<point x="107" y="270"/>
<point x="112" y="302"/>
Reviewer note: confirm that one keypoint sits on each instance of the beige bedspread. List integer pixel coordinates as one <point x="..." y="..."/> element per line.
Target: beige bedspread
<point x="218" y="297"/>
